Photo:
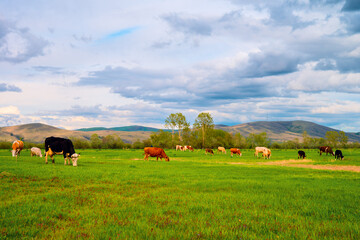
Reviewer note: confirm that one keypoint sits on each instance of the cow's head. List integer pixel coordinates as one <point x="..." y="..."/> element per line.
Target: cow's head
<point x="74" y="159"/>
<point x="13" y="152"/>
<point x="167" y="159"/>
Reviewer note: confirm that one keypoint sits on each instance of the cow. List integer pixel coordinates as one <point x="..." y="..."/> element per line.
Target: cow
<point x="179" y="147"/>
<point x="35" y="151"/>
<point x="339" y="155"/>
<point x="259" y="150"/>
<point x="155" y="152"/>
<point x="56" y="145"/>
<point x="222" y="150"/>
<point x="266" y="153"/>
<point x="326" y="149"/>
<point x="235" y="151"/>
<point x="301" y="154"/>
<point x="17" y="146"/>
<point x="208" y="150"/>
<point x="188" y="148"/>
<point x="185" y="148"/>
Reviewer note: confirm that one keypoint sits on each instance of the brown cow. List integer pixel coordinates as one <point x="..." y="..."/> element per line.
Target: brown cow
<point x="326" y="149"/>
<point x="235" y="151"/>
<point x="17" y="146"/>
<point x="155" y="152"/>
<point x="208" y="150"/>
<point x="189" y="148"/>
<point x="266" y="153"/>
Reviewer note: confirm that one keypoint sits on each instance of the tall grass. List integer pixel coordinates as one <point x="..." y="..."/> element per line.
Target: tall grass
<point x="113" y="195"/>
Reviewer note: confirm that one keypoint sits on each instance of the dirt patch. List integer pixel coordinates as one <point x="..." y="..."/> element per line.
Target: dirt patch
<point x="137" y="159"/>
<point x="285" y="162"/>
<point x="327" y="167"/>
<point x="295" y="163"/>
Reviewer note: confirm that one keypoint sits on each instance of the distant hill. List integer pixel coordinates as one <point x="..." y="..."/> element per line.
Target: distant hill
<point x="133" y="128"/>
<point x="285" y="130"/>
<point x="276" y="131"/>
<point x="92" y="129"/>
<point x="37" y="132"/>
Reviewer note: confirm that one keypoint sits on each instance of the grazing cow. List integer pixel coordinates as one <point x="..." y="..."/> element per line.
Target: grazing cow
<point x="235" y="151"/>
<point x="326" y="149"/>
<point x="56" y="145"/>
<point x="185" y="148"/>
<point x="155" y="152"/>
<point x="221" y="149"/>
<point x="179" y="147"/>
<point x="35" y="151"/>
<point x="301" y="154"/>
<point x="266" y="153"/>
<point x="188" y="148"/>
<point x="259" y="150"/>
<point x="208" y="150"/>
<point x="339" y="155"/>
<point x="17" y="146"/>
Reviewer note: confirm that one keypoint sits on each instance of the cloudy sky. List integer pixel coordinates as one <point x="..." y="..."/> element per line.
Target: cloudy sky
<point x="89" y="63"/>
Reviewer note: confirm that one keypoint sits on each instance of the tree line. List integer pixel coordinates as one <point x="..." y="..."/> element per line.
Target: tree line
<point x="203" y="135"/>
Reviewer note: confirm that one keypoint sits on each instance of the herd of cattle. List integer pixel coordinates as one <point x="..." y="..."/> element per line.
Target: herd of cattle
<point x="53" y="146"/>
<point x="56" y="145"/>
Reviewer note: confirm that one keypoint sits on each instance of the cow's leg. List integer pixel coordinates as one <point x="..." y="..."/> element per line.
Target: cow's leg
<point x="65" y="161"/>
<point x="46" y="157"/>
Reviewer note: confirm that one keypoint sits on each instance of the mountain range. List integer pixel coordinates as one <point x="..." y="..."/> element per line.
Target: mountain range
<point x="276" y="131"/>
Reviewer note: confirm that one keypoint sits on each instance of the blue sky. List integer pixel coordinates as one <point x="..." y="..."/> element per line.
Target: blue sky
<point x="76" y="64"/>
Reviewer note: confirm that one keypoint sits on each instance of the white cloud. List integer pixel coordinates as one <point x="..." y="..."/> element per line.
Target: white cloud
<point x="339" y="108"/>
<point x="9" y="110"/>
<point x="240" y="60"/>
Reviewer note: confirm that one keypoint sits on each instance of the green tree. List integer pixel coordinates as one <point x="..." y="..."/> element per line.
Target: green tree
<point x="239" y="141"/>
<point x="161" y="139"/>
<point x="95" y="141"/>
<point x="204" y="123"/>
<point x="181" y="124"/>
<point x="343" y="139"/>
<point x="113" y="142"/>
<point x="306" y="139"/>
<point x="332" y="137"/>
<point x="257" y="140"/>
<point x="170" y="123"/>
<point x="137" y="144"/>
<point x="176" y="120"/>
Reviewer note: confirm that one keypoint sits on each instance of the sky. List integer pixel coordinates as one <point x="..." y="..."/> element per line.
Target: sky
<point x="112" y="63"/>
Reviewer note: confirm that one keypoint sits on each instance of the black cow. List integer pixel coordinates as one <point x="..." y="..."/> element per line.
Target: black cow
<point x="338" y="155"/>
<point x="301" y="154"/>
<point x="56" y="145"/>
<point x="326" y="149"/>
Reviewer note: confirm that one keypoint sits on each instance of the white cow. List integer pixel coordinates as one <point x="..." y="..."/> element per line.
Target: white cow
<point x="179" y="147"/>
<point x="260" y="150"/>
<point x="35" y="151"/>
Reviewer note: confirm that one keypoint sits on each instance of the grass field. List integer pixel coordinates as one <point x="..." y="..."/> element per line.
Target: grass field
<point x="114" y="194"/>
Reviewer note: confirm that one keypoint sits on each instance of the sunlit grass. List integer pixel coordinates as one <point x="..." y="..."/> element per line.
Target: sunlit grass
<point x="113" y="194"/>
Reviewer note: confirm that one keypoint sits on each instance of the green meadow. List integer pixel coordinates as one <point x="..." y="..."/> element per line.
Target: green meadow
<point x="115" y="194"/>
